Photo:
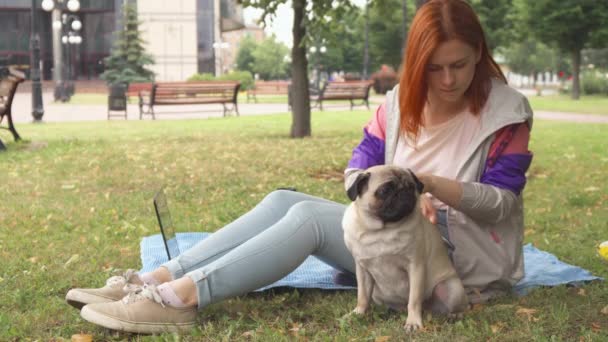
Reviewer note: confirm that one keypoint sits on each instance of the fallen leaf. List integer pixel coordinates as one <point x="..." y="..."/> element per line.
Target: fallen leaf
<point x="529" y="313"/>
<point x="33" y="259"/>
<point x="382" y="339"/>
<point x="497" y="327"/>
<point x="72" y="259"/>
<point x="82" y="338"/>
<point x="596" y="327"/>
<point x="605" y="310"/>
<point x="248" y="333"/>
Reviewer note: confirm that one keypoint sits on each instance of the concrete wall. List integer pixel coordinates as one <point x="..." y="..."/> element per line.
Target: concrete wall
<point x="169" y="28"/>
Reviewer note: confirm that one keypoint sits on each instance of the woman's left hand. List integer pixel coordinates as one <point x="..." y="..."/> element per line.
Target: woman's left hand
<point x="428" y="210"/>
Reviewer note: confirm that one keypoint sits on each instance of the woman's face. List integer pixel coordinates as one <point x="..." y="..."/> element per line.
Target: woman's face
<point x="450" y="71"/>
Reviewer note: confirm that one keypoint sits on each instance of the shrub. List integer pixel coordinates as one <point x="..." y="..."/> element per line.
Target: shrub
<point x="384" y="79"/>
<point x="594" y="83"/>
<point x="201" y="77"/>
<point x="244" y="77"/>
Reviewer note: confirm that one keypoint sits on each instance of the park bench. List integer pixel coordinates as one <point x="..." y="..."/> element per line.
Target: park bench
<point x="348" y="90"/>
<point x="190" y="93"/>
<point x="8" y="87"/>
<point x="268" y="88"/>
<point x="135" y="88"/>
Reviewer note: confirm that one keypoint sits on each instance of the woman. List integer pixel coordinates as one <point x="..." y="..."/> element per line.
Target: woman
<point x="452" y="119"/>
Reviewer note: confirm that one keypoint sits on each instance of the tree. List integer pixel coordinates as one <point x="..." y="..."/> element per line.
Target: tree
<point x="128" y="59"/>
<point x="571" y="25"/>
<point x="269" y="59"/>
<point x="244" y="57"/>
<point x="310" y="19"/>
<point x="498" y="19"/>
<point x="529" y="57"/>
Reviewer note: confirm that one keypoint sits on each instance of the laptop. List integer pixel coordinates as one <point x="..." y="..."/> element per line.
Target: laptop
<point x="166" y="224"/>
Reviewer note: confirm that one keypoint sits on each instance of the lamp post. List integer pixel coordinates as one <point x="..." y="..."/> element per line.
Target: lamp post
<point x="219" y="46"/>
<point x="317" y="73"/>
<point x="37" y="106"/>
<point x="65" y="33"/>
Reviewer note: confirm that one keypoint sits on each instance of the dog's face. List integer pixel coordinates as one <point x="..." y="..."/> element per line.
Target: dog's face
<point x="389" y="193"/>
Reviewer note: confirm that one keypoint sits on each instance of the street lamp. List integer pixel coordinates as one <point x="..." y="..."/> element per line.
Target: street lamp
<point x="219" y="46"/>
<point x="65" y="33"/>
<point x="314" y="51"/>
<point x="37" y="106"/>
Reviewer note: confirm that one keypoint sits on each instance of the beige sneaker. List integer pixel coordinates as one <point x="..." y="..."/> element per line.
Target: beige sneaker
<point x="142" y="312"/>
<point x="116" y="288"/>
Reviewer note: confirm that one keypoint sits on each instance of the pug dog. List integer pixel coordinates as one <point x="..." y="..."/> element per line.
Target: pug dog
<point x="401" y="260"/>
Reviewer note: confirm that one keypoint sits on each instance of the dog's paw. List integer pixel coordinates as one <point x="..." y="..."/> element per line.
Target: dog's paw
<point x="359" y="310"/>
<point x="413" y="324"/>
<point x="455" y="316"/>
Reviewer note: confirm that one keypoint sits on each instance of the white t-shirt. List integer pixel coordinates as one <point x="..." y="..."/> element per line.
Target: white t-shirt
<point x="439" y="149"/>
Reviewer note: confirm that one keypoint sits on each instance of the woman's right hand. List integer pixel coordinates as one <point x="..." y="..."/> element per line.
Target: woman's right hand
<point x="427" y="208"/>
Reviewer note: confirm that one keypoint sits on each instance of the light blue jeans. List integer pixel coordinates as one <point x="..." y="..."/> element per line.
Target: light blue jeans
<point x="264" y="245"/>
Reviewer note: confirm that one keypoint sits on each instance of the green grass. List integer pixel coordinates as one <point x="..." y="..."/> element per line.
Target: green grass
<point x="563" y="103"/>
<point x="75" y="201"/>
<point x="557" y="103"/>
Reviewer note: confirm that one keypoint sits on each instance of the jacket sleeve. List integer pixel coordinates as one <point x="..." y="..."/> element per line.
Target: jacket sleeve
<point x="370" y="151"/>
<point x="504" y="177"/>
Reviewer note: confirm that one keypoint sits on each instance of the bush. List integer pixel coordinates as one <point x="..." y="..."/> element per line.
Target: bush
<point x="384" y="79"/>
<point x="201" y="77"/>
<point x="594" y="83"/>
<point x="244" y="77"/>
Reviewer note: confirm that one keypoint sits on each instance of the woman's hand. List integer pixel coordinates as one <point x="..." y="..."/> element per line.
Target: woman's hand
<point x="428" y="210"/>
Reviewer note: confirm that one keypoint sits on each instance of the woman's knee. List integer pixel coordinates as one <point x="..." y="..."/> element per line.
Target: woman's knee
<point x="279" y="196"/>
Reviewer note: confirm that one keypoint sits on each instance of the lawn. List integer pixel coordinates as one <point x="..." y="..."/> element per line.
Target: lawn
<point x="557" y="103"/>
<point x="76" y="199"/>
<point x="563" y="103"/>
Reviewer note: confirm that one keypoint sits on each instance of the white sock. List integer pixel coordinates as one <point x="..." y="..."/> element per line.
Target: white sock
<point x="169" y="296"/>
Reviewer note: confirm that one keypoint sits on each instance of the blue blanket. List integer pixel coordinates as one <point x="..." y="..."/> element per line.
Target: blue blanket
<point x="542" y="268"/>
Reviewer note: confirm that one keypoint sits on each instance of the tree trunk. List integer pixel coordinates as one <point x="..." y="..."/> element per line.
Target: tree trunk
<point x="576" y="67"/>
<point x="300" y="108"/>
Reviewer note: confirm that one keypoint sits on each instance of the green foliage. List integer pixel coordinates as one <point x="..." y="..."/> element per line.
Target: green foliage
<point x="385" y="33"/>
<point x="498" y="19"/>
<point x="244" y="77"/>
<point x="269" y="60"/>
<point x="569" y="24"/>
<point x="244" y="57"/>
<point x="530" y="56"/>
<point x="594" y="82"/>
<point x="202" y="77"/>
<point x="128" y="60"/>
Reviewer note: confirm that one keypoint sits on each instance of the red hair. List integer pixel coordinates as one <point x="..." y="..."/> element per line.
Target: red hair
<point x="436" y="22"/>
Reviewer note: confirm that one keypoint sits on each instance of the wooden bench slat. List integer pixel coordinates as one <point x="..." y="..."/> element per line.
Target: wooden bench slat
<point x="182" y="93"/>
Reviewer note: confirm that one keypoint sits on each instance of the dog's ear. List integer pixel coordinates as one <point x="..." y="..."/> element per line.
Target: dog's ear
<point x="419" y="185"/>
<point x="356" y="188"/>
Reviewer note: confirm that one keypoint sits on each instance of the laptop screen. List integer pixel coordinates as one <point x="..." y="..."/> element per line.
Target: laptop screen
<point x="166" y="224"/>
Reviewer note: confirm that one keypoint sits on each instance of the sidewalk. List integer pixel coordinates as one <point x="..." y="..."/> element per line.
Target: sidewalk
<point x="57" y="112"/>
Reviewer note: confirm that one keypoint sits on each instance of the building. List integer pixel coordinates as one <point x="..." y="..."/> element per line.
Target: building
<point x="180" y="35"/>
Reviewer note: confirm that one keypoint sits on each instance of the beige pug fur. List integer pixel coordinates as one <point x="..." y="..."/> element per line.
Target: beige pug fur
<point x="401" y="260"/>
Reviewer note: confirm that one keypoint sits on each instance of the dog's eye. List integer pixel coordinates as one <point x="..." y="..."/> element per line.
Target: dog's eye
<point x="383" y="191"/>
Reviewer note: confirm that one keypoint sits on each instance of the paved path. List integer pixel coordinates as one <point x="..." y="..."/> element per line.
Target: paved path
<point x="56" y="112"/>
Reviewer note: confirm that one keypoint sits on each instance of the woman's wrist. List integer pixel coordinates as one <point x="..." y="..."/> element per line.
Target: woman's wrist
<point x="428" y="182"/>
